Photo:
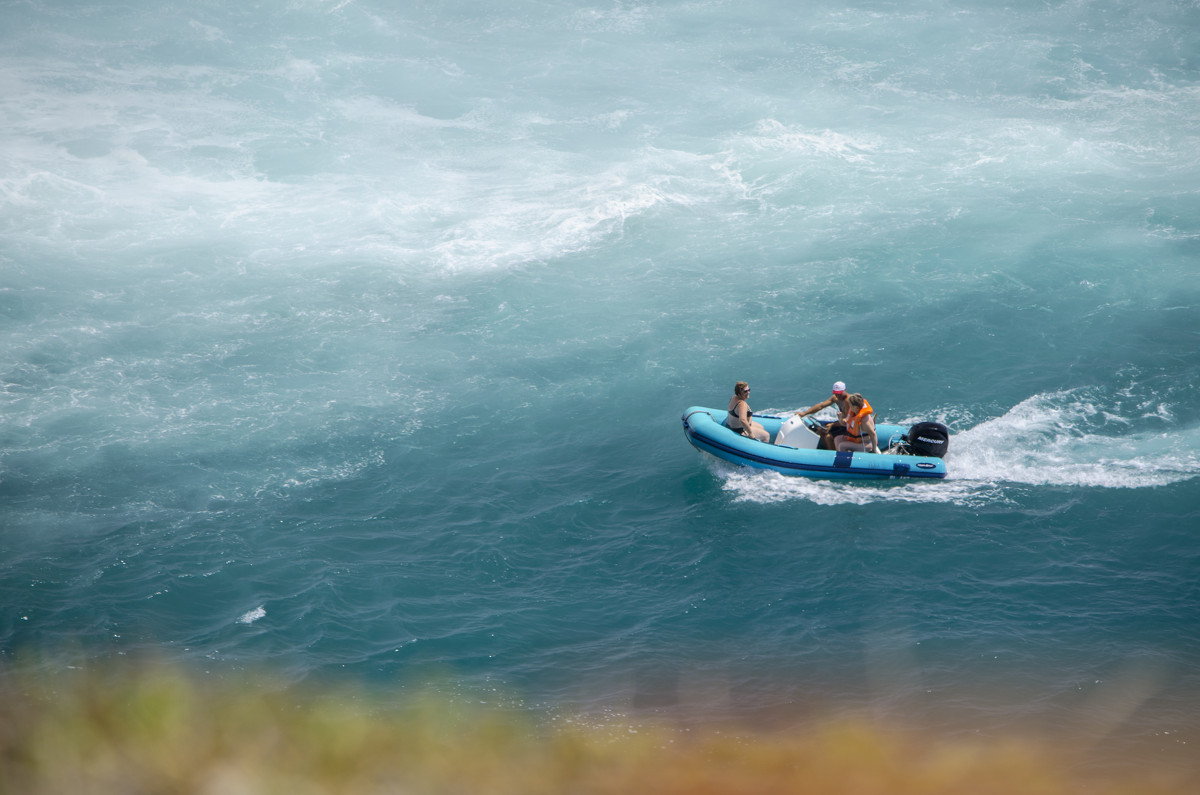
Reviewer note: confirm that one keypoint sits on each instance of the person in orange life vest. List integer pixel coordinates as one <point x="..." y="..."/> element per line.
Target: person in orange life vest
<point x="860" y="427"/>
<point x="836" y="428"/>
<point x="740" y="414"/>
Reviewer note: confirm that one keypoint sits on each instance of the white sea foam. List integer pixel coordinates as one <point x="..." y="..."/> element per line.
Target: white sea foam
<point x="388" y="187"/>
<point x="250" y="616"/>
<point x="772" y="136"/>
<point x="765" y="486"/>
<point x="1067" y="439"/>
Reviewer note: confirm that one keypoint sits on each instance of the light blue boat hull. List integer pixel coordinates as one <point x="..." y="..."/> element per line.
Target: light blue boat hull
<point x="705" y="429"/>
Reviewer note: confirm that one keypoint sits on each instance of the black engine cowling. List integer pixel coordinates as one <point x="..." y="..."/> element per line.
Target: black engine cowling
<point x="928" y="439"/>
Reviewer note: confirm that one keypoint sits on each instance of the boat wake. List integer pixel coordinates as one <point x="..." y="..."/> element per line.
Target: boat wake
<point x="1070" y="439"/>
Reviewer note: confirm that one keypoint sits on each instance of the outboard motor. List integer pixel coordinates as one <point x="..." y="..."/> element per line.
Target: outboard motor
<point x="928" y="439"/>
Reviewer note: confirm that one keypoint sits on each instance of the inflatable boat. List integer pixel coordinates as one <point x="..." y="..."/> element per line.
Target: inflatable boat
<point x="914" y="451"/>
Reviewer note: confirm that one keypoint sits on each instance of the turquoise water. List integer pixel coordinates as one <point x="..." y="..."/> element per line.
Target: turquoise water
<point x="350" y="340"/>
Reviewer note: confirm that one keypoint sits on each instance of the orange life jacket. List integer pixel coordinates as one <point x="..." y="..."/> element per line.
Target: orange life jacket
<point x="853" y="423"/>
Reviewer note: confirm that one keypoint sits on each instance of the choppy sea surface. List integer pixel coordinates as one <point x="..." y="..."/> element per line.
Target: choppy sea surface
<point x="349" y="340"/>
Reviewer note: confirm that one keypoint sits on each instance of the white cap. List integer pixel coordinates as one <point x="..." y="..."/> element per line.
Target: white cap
<point x="838" y="386"/>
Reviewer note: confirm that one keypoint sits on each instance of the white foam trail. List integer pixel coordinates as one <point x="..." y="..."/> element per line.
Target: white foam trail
<point x="1051" y="440"/>
<point x="765" y="486"/>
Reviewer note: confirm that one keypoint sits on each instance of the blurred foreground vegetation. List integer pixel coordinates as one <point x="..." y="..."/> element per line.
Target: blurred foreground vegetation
<point x="156" y="729"/>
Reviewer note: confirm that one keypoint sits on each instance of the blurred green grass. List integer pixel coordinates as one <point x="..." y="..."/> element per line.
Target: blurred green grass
<point x="147" y="728"/>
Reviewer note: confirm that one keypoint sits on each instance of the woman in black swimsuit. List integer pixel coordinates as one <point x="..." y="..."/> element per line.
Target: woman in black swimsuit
<point x="740" y="414"/>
